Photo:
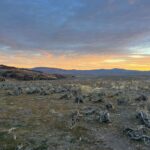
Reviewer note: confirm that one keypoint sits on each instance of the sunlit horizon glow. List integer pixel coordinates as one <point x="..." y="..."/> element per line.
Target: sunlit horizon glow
<point x="82" y="62"/>
<point x="75" y="34"/>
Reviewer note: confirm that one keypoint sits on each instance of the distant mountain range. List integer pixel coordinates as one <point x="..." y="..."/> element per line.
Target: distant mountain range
<point x="98" y="72"/>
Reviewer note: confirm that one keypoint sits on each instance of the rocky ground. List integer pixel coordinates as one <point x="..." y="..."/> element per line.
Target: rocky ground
<point x="75" y="114"/>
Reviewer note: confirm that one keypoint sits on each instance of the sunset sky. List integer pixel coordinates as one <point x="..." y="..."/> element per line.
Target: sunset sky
<point x="75" y="34"/>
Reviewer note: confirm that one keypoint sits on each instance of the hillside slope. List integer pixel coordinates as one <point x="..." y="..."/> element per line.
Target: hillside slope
<point x="8" y="72"/>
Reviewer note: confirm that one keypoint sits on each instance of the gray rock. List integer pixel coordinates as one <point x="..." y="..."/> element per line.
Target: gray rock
<point x="144" y="118"/>
<point x="104" y="117"/>
<point x="33" y="90"/>
<point x="141" y="98"/>
<point x="89" y="111"/>
<point x="109" y="106"/>
<point x="96" y="97"/>
<point x="137" y="135"/>
<point x="79" y="99"/>
<point x="122" y="101"/>
<point x="66" y="96"/>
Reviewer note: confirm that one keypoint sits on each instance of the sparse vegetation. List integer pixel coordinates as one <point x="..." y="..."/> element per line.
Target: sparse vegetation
<point x="74" y="114"/>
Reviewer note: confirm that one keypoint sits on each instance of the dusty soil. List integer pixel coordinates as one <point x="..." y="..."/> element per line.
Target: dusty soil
<point x="67" y="114"/>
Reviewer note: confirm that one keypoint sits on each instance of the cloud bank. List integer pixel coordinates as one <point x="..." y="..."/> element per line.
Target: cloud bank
<point x="75" y="27"/>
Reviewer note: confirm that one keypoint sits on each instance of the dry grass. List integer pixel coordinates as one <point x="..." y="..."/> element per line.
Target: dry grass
<point x="42" y="122"/>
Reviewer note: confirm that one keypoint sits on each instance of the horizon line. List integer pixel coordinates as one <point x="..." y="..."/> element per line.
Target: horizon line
<point x="74" y="68"/>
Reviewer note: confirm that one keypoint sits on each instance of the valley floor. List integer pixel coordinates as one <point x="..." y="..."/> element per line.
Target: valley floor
<point x="75" y="114"/>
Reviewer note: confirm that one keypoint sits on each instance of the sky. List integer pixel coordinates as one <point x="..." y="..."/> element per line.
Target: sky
<point x="75" y="34"/>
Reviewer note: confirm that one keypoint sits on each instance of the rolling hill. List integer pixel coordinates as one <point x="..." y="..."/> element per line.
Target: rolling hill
<point x="7" y="72"/>
<point x="99" y="72"/>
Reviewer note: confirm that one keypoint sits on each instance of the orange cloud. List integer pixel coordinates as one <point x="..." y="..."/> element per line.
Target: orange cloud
<point x="89" y="61"/>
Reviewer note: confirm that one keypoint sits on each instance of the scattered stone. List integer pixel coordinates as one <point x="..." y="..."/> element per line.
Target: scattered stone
<point x="10" y="93"/>
<point x="32" y="90"/>
<point x="104" y="117"/>
<point x="66" y="96"/>
<point x="109" y="106"/>
<point x="44" y="92"/>
<point x="89" y="111"/>
<point x="79" y="99"/>
<point x="137" y="135"/>
<point x="144" y="118"/>
<point x="122" y="102"/>
<point x="60" y="90"/>
<point x="20" y="147"/>
<point x="97" y="101"/>
<point x="11" y="130"/>
<point x="15" y="92"/>
<point x="88" y="127"/>
<point x="141" y="98"/>
<point x="18" y="91"/>
<point x="2" y="79"/>
<point x="96" y="98"/>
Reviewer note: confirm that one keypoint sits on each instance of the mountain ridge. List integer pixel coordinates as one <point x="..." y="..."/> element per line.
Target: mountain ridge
<point x="114" y="71"/>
